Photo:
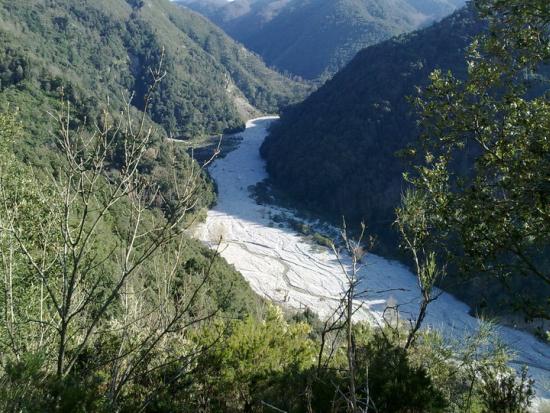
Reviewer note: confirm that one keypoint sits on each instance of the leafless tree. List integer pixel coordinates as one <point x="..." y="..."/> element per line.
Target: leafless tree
<point x="338" y="328"/>
<point x="81" y="279"/>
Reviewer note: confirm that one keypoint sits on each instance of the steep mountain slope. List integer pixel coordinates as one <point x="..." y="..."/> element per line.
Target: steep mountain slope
<point x="97" y="49"/>
<point x="91" y="53"/>
<point x="313" y="38"/>
<point x="336" y="150"/>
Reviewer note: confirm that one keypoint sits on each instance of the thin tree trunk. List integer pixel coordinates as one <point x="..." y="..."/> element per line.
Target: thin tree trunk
<point x="351" y="353"/>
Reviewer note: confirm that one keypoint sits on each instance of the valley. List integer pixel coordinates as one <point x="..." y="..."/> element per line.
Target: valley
<point x="172" y="177"/>
<point x="281" y="266"/>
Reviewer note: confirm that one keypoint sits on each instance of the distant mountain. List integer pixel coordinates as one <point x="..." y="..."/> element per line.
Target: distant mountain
<point x="436" y="9"/>
<point x="97" y="49"/>
<point x="336" y="151"/>
<point x="315" y="38"/>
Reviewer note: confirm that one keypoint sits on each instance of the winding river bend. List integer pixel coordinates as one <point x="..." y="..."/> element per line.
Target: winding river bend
<point x="281" y="265"/>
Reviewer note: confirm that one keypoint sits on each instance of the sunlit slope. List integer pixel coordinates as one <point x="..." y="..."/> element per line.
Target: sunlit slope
<point x="99" y="48"/>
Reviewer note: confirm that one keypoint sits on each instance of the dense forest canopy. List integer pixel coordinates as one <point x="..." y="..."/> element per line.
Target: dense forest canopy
<point x="349" y="139"/>
<point x="344" y="136"/>
<point x="97" y="50"/>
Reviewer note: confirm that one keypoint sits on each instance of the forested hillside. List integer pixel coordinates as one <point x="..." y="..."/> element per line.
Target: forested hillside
<point x="87" y="61"/>
<point x="316" y="38"/>
<point x="348" y="139"/>
<point x="76" y="147"/>
<point x="345" y="136"/>
<point x="436" y="9"/>
<point x="107" y="305"/>
<point x="97" y="49"/>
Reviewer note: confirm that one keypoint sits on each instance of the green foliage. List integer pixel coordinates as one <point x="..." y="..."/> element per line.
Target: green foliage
<point x="249" y="362"/>
<point x="504" y="392"/>
<point x="29" y="205"/>
<point x="473" y="374"/>
<point x="253" y="364"/>
<point x="386" y="371"/>
<point x="13" y="68"/>
<point x="94" y="50"/>
<point x="65" y="338"/>
<point x="25" y="387"/>
<point x="322" y="240"/>
<point x="432" y="375"/>
<point x="496" y="215"/>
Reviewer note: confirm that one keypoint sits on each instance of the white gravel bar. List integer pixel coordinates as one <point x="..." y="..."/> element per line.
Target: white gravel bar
<point x="281" y="265"/>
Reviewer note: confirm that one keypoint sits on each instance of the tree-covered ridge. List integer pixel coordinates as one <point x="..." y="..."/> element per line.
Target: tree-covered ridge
<point x="97" y="258"/>
<point x="344" y="137"/>
<point x="97" y="50"/>
<point x="316" y="38"/>
<point x="349" y="140"/>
